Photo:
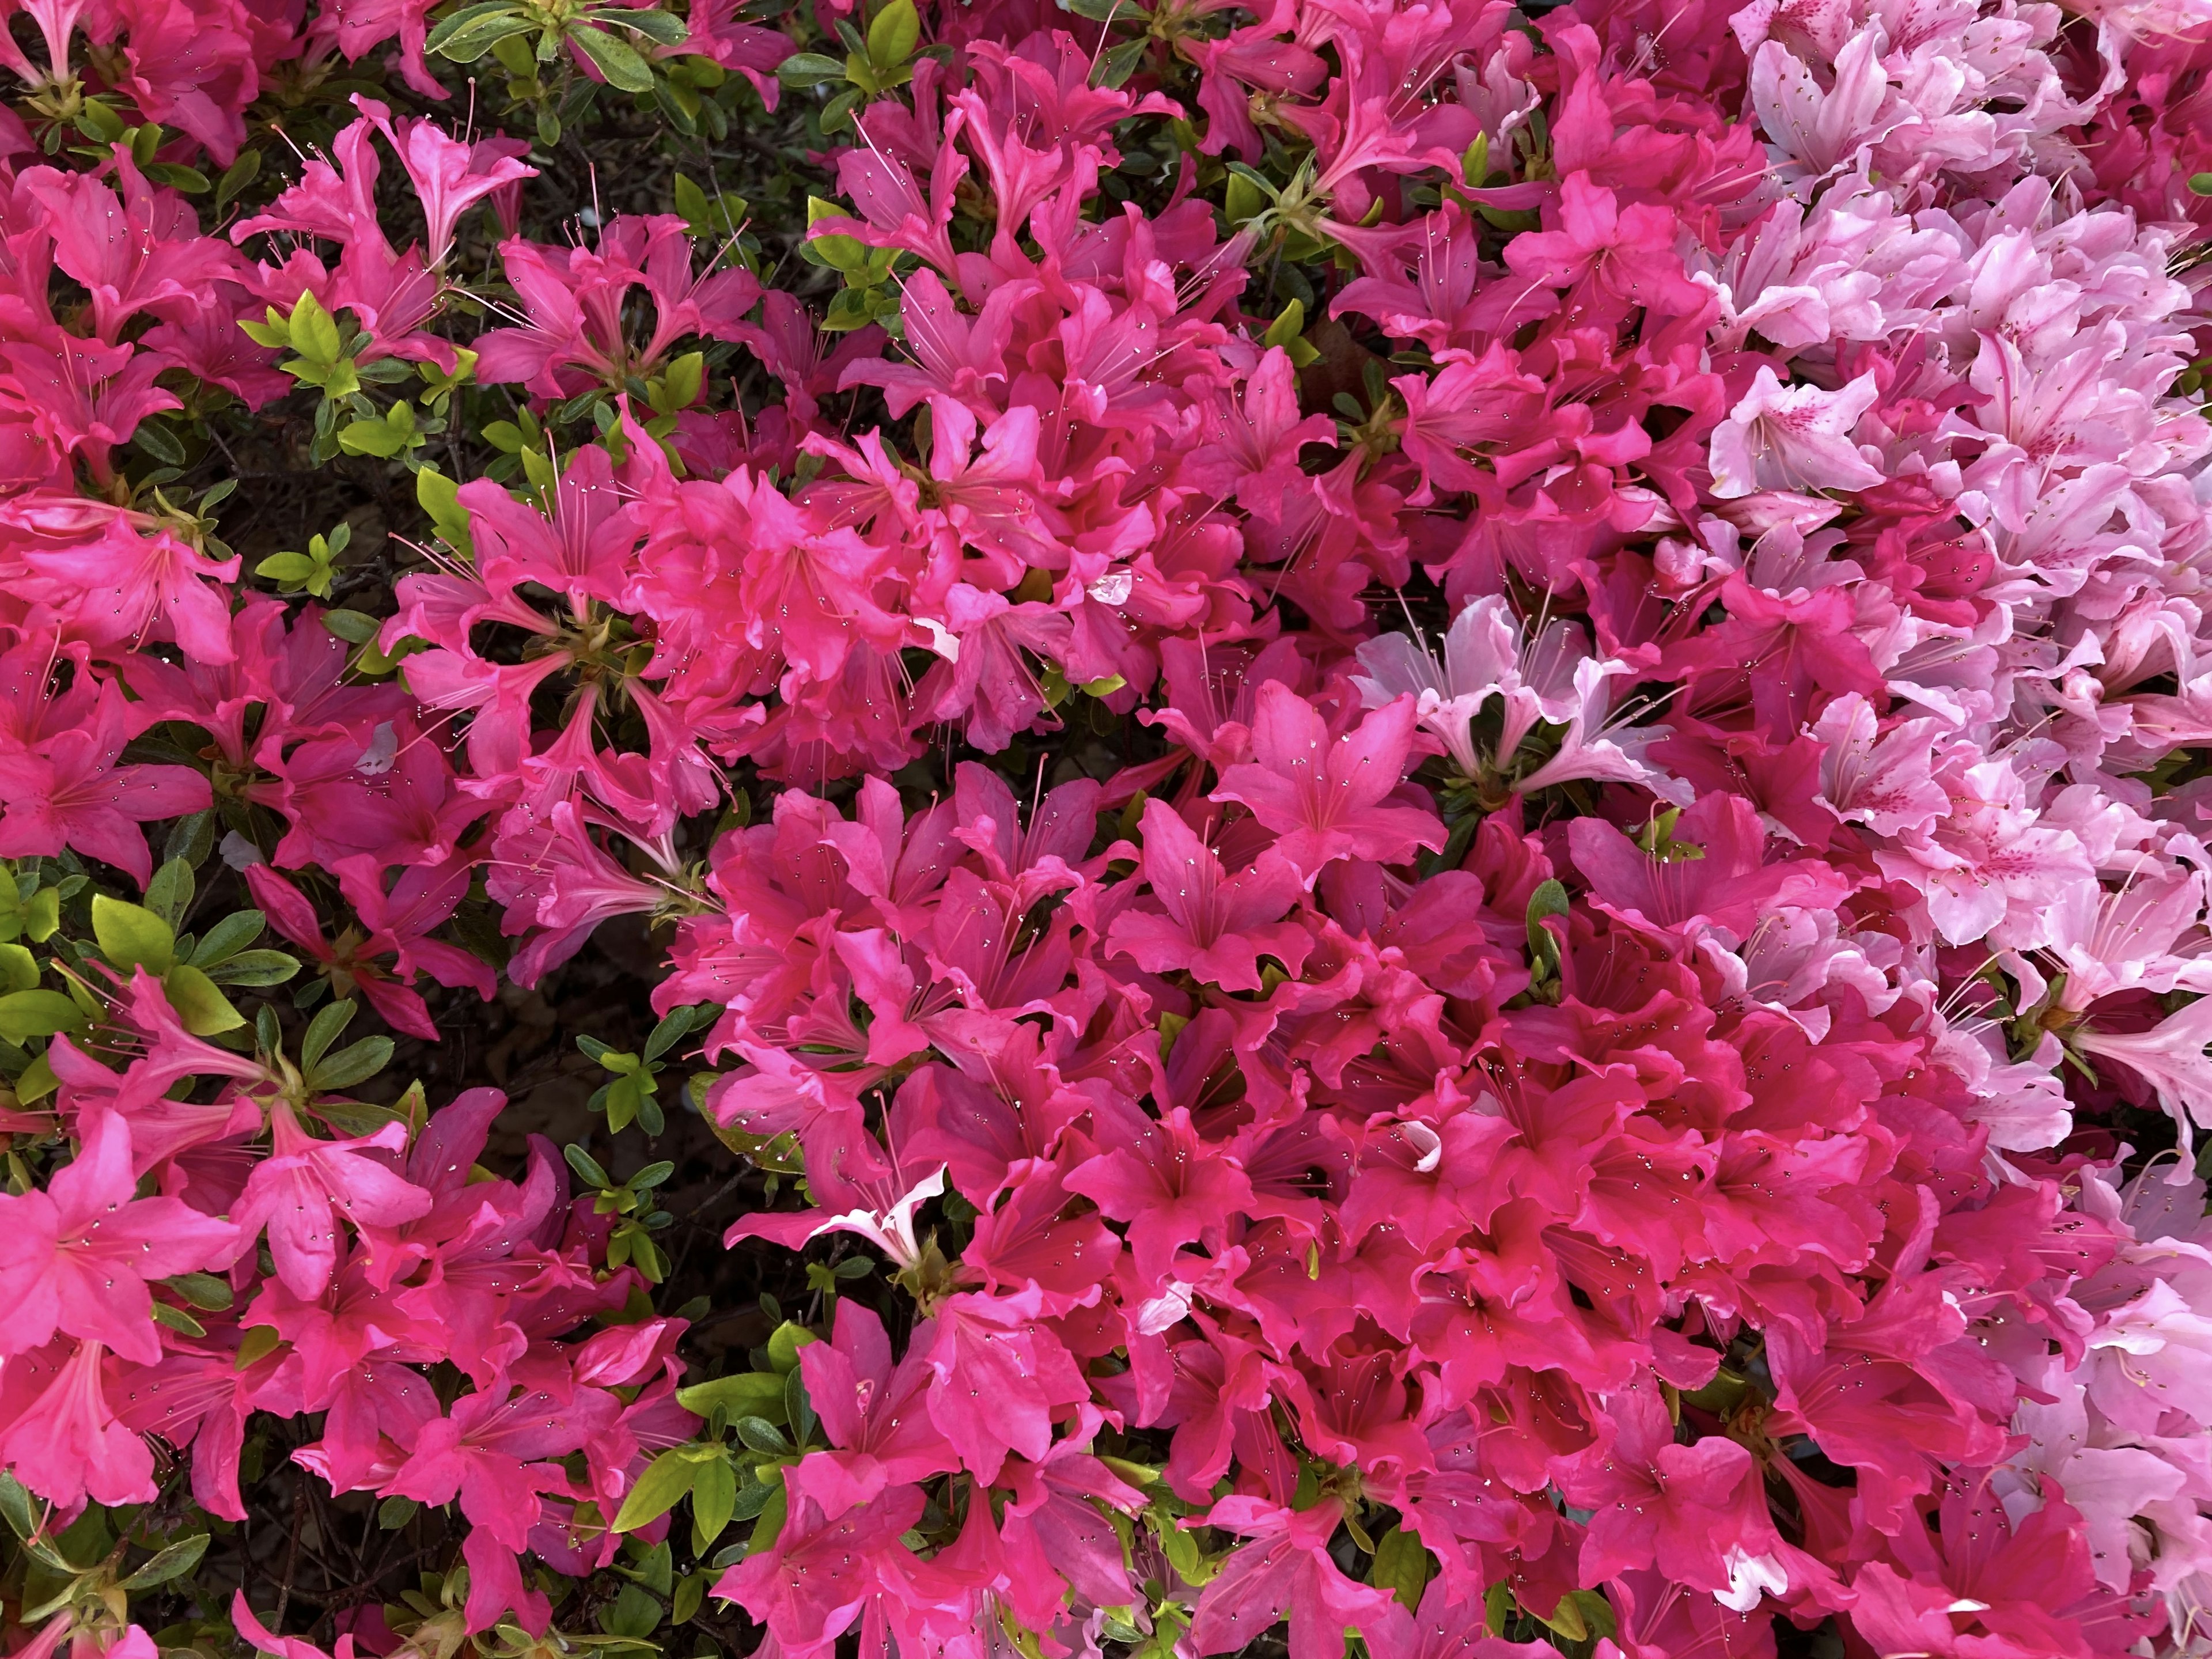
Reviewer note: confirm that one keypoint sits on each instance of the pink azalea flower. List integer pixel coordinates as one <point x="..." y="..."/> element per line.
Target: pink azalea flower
<point x="1797" y="437"/>
<point x="1328" y="797"/>
<point x="298" y="1192"/>
<point x="77" y="1256"/>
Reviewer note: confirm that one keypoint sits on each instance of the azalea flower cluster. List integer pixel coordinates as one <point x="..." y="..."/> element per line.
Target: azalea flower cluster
<point x="1445" y="765"/>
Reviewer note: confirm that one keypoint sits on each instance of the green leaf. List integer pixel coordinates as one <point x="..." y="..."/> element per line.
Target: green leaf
<point x="682" y="383"/>
<point x="1474" y="165"/>
<point x="757" y="1434"/>
<point x="468" y="16"/>
<point x="355" y="1063"/>
<point x="202" y="1008"/>
<point x="255" y="971"/>
<point x="1118" y="65"/>
<point x="755" y="1496"/>
<point x="1244" y="201"/>
<point x="190" y="180"/>
<point x="354" y="1117"/>
<point x="747" y="1394"/>
<point x="668" y="1478"/>
<point x="324" y="1028"/>
<point x="391" y="434"/>
<point x="615" y="59"/>
<point x="1289" y="323"/>
<point x="440" y="496"/>
<point x="784" y="1343"/>
<point x="809" y="69"/>
<point x="714" y="1499"/>
<point x="1183" y="1554"/>
<point x="852" y="309"/>
<point x="690" y="1592"/>
<point x="177" y="1319"/>
<point x="634" y="1614"/>
<point x="1401" y="1566"/>
<point x="770" y="1522"/>
<point x="17" y="1507"/>
<point x="203" y="1291"/>
<point x="394" y="1513"/>
<point x="716" y="218"/>
<point x="227" y="937"/>
<point x="2201" y="184"/>
<point x="27" y="1014"/>
<point x="38" y="918"/>
<point x="353" y="627"/>
<point x="836" y="251"/>
<point x="672" y="1028"/>
<point x="169" y="894"/>
<point x="19" y="969"/>
<point x="241" y="173"/>
<point x="1497" y="1607"/>
<point x="1572" y="1618"/>
<point x="157" y="440"/>
<point x="661" y="28"/>
<point x="259" y="1342"/>
<point x="131" y="936"/>
<point x="798" y="1409"/>
<point x="586" y="1168"/>
<point x="471" y="31"/>
<point x="657" y="1570"/>
<point x="1550" y="899"/>
<point x="37" y="1082"/>
<point x="1288" y="331"/>
<point x="290" y="570"/>
<point x="894" y="34"/>
<point x="314" y="331"/>
<point x="175" y="1562"/>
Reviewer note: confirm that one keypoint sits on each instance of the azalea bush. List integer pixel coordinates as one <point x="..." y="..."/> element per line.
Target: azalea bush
<point x="1367" y="829"/>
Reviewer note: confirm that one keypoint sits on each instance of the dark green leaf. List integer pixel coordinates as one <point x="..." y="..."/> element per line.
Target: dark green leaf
<point x="255" y="969"/>
<point x="1401" y="1566"/>
<point x="355" y="1063"/>
<point x="585" y="1166"/>
<point x="17" y="1507"/>
<point x="662" y="28"/>
<point x="157" y="440"/>
<point x="757" y="1434"/>
<point x="324" y="1028"/>
<point x="190" y="180"/>
<point x="241" y="173"/>
<point x="178" y="1320"/>
<point x="227" y="937"/>
<point x="203" y="1291"/>
<point x="809" y="69"/>
<point x="1118" y="65"/>
<point x="175" y="1562"/>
